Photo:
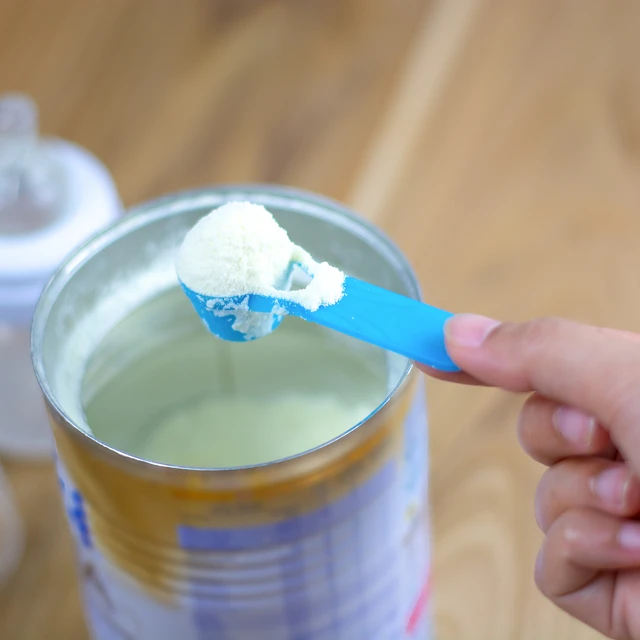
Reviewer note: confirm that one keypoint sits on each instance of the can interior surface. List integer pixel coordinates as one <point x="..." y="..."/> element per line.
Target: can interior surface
<point x="122" y="355"/>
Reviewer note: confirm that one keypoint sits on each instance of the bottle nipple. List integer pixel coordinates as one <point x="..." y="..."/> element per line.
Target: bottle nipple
<point x="31" y="185"/>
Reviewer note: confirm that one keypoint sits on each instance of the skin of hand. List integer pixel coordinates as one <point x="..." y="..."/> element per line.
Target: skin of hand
<point x="582" y="420"/>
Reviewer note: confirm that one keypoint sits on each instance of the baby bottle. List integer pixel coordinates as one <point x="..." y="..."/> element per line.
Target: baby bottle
<point x="53" y="195"/>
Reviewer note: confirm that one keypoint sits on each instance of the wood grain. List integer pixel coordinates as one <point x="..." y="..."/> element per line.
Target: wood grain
<point x="498" y="143"/>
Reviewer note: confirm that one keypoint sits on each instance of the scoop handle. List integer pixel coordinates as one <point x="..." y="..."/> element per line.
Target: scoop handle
<point x="384" y="318"/>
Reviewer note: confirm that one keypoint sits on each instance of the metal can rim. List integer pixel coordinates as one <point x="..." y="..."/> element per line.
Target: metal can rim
<point x="172" y="205"/>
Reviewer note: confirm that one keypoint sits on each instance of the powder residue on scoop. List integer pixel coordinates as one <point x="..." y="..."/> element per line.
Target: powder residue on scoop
<point x="240" y="249"/>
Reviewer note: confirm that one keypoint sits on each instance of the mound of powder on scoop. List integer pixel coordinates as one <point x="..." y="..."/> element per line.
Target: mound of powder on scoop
<point x="239" y="249"/>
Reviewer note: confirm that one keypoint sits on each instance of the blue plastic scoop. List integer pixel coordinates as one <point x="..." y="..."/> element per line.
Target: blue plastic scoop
<point x="366" y="312"/>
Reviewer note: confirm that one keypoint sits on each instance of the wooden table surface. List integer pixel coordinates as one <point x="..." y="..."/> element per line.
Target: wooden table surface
<point x="497" y="142"/>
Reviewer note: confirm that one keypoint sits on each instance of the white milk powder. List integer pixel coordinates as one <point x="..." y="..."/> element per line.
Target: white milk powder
<point x="240" y="249"/>
<point x="234" y="432"/>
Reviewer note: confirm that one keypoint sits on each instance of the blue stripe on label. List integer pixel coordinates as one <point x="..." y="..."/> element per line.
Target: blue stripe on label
<point x="287" y="531"/>
<point x="78" y="518"/>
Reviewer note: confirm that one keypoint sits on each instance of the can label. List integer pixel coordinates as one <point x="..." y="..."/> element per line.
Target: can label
<point x="354" y="567"/>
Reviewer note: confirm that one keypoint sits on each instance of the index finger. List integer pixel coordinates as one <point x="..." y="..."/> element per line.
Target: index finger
<point x="594" y="369"/>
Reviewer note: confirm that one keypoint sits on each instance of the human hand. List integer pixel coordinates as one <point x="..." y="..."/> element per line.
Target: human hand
<point x="582" y="421"/>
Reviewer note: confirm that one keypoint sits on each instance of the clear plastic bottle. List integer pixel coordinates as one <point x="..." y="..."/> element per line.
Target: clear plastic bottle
<point x="53" y="195"/>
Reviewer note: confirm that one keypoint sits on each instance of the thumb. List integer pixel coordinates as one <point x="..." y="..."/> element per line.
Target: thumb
<point x="594" y="369"/>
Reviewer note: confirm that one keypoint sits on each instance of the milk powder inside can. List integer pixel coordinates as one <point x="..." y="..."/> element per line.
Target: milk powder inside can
<point x="275" y="489"/>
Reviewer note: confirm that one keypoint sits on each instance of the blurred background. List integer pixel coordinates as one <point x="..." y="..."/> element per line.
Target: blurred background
<point x="497" y="142"/>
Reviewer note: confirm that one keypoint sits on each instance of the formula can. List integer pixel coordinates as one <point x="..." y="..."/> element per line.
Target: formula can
<point x="331" y="543"/>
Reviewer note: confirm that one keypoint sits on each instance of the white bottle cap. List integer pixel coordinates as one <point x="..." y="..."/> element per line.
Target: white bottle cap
<point x="53" y="196"/>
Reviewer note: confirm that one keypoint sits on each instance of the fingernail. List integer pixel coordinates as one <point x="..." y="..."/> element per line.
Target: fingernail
<point x="574" y="425"/>
<point x="611" y="485"/>
<point x="468" y="330"/>
<point x="629" y="535"/>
